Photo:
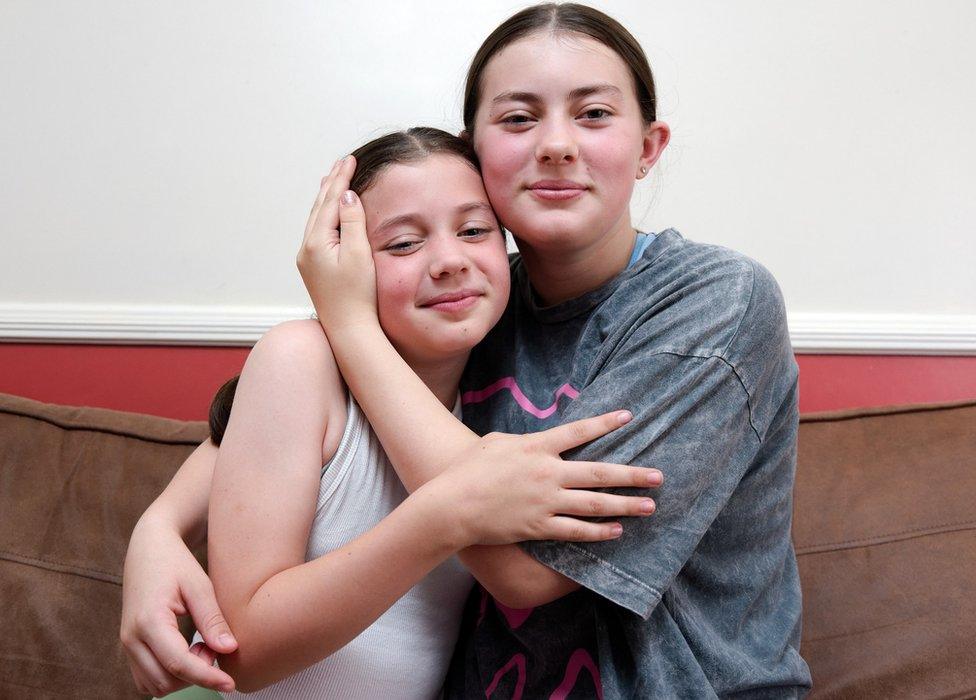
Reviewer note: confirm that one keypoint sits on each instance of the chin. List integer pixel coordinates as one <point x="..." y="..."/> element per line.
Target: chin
<point x="554" y="228"/>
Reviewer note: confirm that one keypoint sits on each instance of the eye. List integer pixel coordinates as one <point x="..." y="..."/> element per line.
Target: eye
<point x="403" y="246"/>
<point x="520" y="119"/>
<point x="474" y="232"/>
<point x="596" y="114"/>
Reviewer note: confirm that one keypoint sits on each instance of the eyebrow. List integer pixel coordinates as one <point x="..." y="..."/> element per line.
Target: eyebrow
<point x="414" y="218"/>
<point x="576" y="94"/>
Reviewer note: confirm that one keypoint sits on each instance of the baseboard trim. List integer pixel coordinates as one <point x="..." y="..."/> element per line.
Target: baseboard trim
<point x="827" y="333"/>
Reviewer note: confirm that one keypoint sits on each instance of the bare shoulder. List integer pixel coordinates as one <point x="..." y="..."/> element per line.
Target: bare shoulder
<point x="296" y="357"/>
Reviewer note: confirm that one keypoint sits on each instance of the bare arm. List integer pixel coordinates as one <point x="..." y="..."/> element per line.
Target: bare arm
<point x="421" y="437"/>
<point x="265" y="489"/>
<point x="162" y="580"/>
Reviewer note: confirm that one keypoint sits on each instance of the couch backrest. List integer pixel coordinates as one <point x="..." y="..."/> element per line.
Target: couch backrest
<point x="884" y="526"/>
<point x="73" y="482"/>
<point x="885" y="533"/>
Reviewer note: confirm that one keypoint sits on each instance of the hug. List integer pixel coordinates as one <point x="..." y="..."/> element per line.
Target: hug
<point x="565" y="472"/>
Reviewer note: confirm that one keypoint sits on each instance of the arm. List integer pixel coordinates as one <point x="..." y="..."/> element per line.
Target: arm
<point x="162" y="580"/>
<point x="421" y="437"/>
<point x="265" y="490"/>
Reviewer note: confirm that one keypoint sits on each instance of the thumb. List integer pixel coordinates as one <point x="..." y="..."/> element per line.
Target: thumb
<point x="207" y="617"/>
<point x="352" y="224"/>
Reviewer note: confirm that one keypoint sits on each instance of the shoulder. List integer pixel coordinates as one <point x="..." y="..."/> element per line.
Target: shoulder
<point x="300" y="341"/>
<point x="704" y="299"/>
<point x="293" y="369"/>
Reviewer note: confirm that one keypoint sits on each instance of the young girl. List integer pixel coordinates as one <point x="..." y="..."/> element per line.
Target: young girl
<point x="703" y="600"/>
<point x="305" y="559"/>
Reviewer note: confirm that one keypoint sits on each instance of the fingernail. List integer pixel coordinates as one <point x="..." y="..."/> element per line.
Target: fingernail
<point x="654" y="476"/>
<point x="624" y="417"/>
<point x="617" y="529"/>
<point x="225" y="638"/>
<point x="647" y="507"/>
<point x="348" y="197"/>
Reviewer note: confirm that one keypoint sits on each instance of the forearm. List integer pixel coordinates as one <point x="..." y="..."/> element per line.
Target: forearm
<point x="348" y="589"/>
<point x="514" y="578"/>
<point x="421" y="437"/>
<point x="182" y="506"/>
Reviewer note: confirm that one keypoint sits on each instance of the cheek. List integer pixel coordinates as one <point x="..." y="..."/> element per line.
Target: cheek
<point x="394" y="291"/>
<point x="502" y="159"/>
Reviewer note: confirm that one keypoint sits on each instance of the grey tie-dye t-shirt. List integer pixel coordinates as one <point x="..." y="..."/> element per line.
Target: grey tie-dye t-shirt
<point x="701" y="599"/>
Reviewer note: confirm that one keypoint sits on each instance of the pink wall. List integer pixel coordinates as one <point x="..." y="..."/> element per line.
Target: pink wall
<point x="178" y="382"/>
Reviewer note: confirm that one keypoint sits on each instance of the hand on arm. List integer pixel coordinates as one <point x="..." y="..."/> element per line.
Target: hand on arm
<point x="265" y="489"/>
<point x="162" y="580"/>
<point x="421" y="437"/>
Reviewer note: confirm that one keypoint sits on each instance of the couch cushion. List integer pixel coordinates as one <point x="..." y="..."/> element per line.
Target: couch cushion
<point x="73" y="482"/>
<point x="885" y="533"/>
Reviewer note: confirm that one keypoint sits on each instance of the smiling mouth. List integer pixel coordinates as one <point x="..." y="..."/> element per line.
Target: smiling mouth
<point x="452" y="303"/>
<point x="556" y="190"/>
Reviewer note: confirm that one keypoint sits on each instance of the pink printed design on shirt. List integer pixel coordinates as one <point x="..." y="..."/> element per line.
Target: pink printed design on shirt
<point x="515" y="617"/>
<point x="579" y="659"/>
<point x="520" y="398"/>
<point x="518" y="661"/>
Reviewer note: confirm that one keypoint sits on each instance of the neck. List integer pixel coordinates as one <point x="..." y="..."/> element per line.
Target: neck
<point x="442" y="376"/>
<point x="560" y="273"/>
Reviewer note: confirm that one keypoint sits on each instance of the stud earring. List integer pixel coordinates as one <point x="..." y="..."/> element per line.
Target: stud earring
<point x="643" y="170"/>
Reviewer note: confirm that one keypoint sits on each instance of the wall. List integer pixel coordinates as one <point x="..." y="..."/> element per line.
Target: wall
<point x="162" y="158"/>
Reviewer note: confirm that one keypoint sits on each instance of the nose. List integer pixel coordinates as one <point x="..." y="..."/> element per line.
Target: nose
<point x="447" y="257"/>
<point x="556" y="144"/>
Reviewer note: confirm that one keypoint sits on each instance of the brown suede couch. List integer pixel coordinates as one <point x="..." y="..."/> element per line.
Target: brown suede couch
<point x="885" y="532"/>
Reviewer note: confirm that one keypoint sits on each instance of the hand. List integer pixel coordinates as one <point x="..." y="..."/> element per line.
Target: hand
<point x="337" y="268"/>
<point x="161" y="581"/>
<point x="510" y="488"/>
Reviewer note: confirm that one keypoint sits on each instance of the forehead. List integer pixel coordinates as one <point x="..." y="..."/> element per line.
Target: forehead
<point x="429" y="188"/>
<point x="554" y="61"/>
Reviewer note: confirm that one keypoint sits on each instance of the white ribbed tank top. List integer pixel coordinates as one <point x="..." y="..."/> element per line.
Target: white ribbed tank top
<point x="406" y="651"/>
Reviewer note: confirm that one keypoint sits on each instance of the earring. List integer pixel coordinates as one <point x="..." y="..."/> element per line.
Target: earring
<point x="643" y="171"/>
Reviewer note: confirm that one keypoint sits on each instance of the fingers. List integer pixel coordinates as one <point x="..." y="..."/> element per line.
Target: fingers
<point x="327" y="217"/>
<point x="589" y="475"/>
<point x="352" y="223"/>
<point x="596" y="504"/>
<point x="323" y="221"/>
<point x="573" y="530"/>
<point x="579" y="432"/>
<point x="168" y="660"/>
<point x="149" y="674"/>
<point x="319" y="198"/>
<point x="207" y="616"/>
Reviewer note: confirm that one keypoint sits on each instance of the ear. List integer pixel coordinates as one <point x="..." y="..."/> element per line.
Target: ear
<point x="656" y="137"/>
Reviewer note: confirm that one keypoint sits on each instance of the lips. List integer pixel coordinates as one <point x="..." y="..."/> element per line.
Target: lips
<point x="556" y="190"/>
<point x="453" y="301"/>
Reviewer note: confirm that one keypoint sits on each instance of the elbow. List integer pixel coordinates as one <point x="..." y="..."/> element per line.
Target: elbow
<point x="525" y="595"/>
<point x="247" y="676"/>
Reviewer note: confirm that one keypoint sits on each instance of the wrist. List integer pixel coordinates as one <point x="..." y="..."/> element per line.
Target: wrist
<point x="157" y="523"/>
<point x="443" y="521"/>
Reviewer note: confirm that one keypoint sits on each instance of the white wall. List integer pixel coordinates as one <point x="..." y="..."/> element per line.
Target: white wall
<point x="160" y="155"/>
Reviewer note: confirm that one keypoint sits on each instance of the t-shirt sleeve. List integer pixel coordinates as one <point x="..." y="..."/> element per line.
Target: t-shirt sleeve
<point x="694" y="419"/>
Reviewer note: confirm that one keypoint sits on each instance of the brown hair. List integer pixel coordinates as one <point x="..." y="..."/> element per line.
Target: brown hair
<point x="410" y="146"/>
<point x="556" y="18"/>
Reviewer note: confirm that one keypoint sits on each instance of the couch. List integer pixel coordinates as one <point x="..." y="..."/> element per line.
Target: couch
<point x="884" y="527"/>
